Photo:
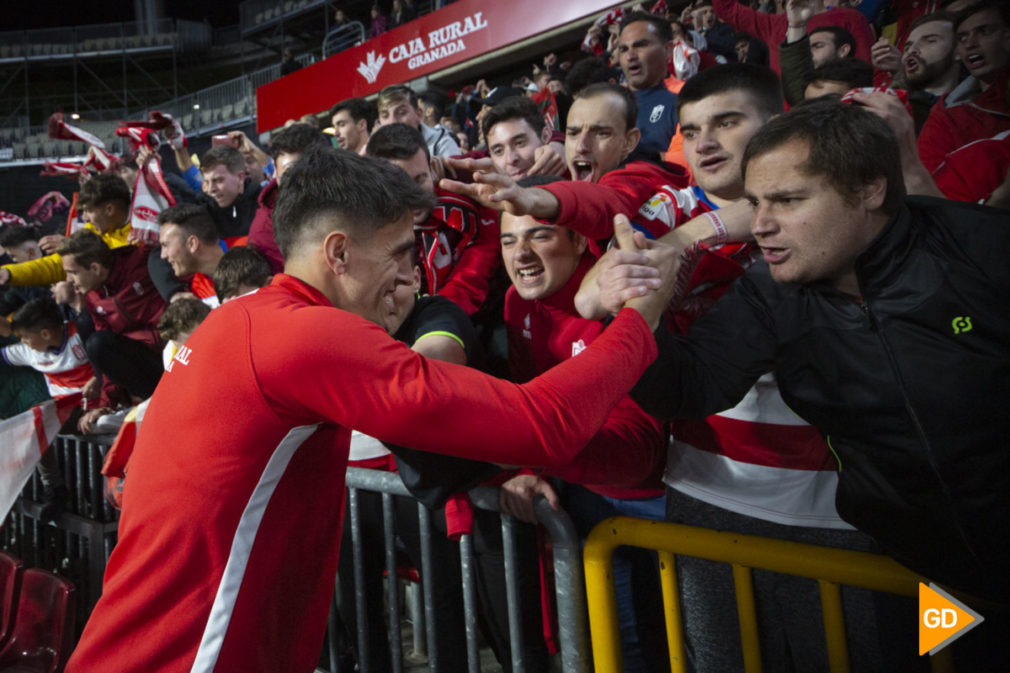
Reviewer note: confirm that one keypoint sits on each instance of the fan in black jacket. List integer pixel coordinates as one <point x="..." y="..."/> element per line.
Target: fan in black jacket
<point x="886" y="321"/>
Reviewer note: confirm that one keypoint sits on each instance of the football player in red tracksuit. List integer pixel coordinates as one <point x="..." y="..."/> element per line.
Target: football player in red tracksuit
<point x="229" y="537"/>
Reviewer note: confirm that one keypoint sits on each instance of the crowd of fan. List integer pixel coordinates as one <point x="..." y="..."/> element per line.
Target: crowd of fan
<point x="654" y="123"/>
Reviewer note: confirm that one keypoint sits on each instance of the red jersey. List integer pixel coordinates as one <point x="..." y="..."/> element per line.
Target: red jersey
<point x="127" y="303"/>
<point x="67" y="368"/>
<point x="230" y="533"/>
<point x="459" y="250"/>
<point x="758" y="458"/>
<point x="625" y="458"/>
<point x="771" y="28"/>
<point x="963" y="116"/>
<point x="589" y="208"/>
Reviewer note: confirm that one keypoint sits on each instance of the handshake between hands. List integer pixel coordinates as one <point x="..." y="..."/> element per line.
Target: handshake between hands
<point x="638" y="273"/>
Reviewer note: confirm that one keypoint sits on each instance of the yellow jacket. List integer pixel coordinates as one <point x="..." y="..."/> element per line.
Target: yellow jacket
<point x="49" y="269"/>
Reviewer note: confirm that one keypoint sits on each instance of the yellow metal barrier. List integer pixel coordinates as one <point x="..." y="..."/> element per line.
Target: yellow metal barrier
<point x="830" y="567"/>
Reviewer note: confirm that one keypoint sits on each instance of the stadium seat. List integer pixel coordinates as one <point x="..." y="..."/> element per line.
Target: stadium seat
<point x="43" y="632"/>
<point x="5" y="50"/>
<point x="258" y="18"/>
<point x="227" y="112"/>
<point x="186" y="121"/>
<point x="19" y="150"/>
<point x="11" y="569"/>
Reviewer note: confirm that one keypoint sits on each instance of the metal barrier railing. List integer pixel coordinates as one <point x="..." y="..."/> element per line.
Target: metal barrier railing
<point x="566" y="544"/>
<point x="78" y="545"/>
<point x="343" y="37"/>
<point x="80" y="541"/>
<point x="830" y="567"/>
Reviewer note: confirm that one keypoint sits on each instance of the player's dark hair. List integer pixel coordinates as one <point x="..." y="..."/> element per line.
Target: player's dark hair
<point x="514" y="107"/>
<point x="329" y="189"/>
<point x="396" y="141"/>
<point x="630" y="103"/>
<point x="194" y="220"/>
<point x="760" y="83"/>
<point x="662" y="26"/>
<point x="37" y="315"/>
<point x="359" y="109"/>
<point x="849" y="145"/>
<point x="242" y="265"/>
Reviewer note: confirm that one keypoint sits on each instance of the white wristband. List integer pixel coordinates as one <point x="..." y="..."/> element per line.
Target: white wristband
<point x="721" y="235"/>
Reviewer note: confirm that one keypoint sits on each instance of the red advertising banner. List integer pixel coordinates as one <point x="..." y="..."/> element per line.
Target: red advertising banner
<point x="456" y="33"/>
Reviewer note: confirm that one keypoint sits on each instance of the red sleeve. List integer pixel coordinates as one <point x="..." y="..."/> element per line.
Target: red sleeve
<point x="974" y="171"/>
<point x="590" y="208"/>
<point x="937" y="138"/>
<point x="851" y="20"/>
<point x="261" y="237"/>
<point x="384" y="389"/>
<point x="627" y="451"/>
<point x="468" y="284"/>
<point x="770" y="28"/>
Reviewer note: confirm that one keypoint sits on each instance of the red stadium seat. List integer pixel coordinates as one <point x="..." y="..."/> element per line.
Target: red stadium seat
<point x="43" y="626"/>
<point x="11" y="569"/>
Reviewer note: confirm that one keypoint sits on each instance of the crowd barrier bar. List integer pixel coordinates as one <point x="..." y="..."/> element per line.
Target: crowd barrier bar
<point x="573" y="629"/>
<point x="830" y="567"/>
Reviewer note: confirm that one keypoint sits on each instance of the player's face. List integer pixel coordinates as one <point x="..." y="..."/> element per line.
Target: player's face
<point x="642" y="55"/>
<point x="716" y="131"/>
<point x="377" y="267"/>
<point x="983" y="43"/>
<point x="418" y="168"/>
<point x="929" y="52"/>
<point x="400" y="113"/>
<point x="539" y="258"/>
<point x="404" y="298"/>
<point x="597" y="139"/>
<point x="224" y="186"/>
<point x="85" y="279"/>
<point x="101" y="216"/>
<point x="24" y="252"/>
<point x="283" y="162"/>
<point x="807" y="230"/>
<point x="822" y="48"/>
<point x="350" y="134"/>
<point x="512" y="145"/>
<point x="174" y="250"/>
<point x="34" y="340"/>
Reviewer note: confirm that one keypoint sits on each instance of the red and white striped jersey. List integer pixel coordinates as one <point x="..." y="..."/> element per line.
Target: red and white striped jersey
<point x="66" y="368"/>
<point x="758" y="458"/>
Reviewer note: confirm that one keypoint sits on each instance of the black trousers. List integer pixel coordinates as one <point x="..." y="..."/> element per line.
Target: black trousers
<point x="126" y="362"/>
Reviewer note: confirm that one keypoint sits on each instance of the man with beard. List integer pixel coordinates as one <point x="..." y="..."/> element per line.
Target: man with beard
<point x="927" y="68"/>
<point x="977" y="108"/>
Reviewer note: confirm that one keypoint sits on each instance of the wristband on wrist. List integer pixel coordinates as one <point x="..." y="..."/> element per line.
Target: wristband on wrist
<point x="721" y="234"/>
